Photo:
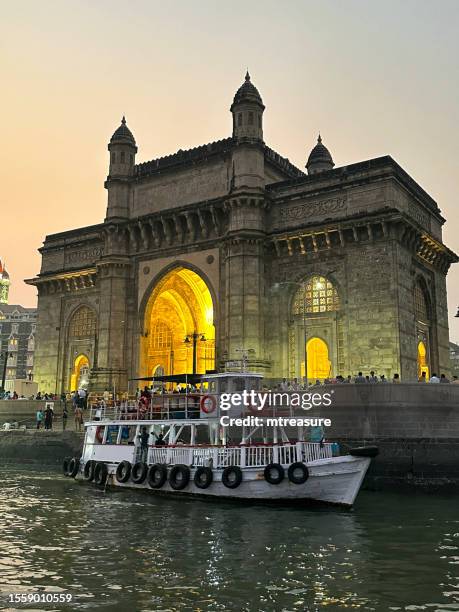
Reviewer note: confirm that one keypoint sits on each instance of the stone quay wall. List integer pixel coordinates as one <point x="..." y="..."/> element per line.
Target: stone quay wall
<point x="416" y="428"/>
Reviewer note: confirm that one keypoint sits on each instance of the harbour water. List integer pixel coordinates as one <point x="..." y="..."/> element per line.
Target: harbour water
<point x="130" y="551"/>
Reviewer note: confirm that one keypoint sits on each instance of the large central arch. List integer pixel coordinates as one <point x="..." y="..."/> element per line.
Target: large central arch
<point x="178" y="325"/>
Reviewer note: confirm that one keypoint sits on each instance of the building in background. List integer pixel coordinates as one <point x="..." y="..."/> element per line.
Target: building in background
<point x="17" y="338"/>
<point x="4" y="284"/>
<point x="454" y="356"/>
<point x="227" y="250"/>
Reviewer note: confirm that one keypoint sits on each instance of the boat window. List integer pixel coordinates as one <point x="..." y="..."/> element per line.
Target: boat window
<point x="128" y="434"/>
<point x="112" y="434"/>
<point x="100" y="430"/>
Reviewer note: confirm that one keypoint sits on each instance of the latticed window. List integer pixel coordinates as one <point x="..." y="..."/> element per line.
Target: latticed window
<point x="161" y="336"/>
<point x="83" y="323"/>
<point x="421" y="307"/>
<point x="318" y="295"/>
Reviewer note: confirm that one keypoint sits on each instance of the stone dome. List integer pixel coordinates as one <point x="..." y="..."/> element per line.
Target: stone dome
<point x="247" y="92"/>
<point x="123" y="134"/>
<point x="319" y="159"/>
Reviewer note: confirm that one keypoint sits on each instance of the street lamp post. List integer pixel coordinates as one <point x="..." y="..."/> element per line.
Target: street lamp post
<point x="5" y="363"/>
<point x="194" y="337"/>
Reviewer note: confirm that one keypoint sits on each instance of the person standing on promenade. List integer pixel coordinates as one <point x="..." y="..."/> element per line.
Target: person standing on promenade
<point x="78" y="418"/>
<point x="48" y="418"/>
<point x="39" y="417"/>
<point x="65" y="416"/>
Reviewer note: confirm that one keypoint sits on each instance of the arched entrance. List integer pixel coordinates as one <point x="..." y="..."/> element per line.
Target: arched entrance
<point x="315" y="321"/>
<point x="319" y="365"/>
<point x="422" y="360"/>
<point x="422" y="311"/>
<point x="179" y="332"/>
<point x="79" y="378"/>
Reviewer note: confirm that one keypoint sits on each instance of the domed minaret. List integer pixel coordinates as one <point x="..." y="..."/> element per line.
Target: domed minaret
<point x="319" y="159"/>
<point x="122" y="149"/>
<point x="247" y="109"/>
<point x="4" y="284"/>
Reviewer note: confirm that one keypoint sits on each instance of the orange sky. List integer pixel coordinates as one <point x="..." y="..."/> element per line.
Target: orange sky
<point x="375" y="78"/>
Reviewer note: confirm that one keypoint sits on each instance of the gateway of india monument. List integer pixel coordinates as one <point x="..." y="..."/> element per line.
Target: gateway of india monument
<point x="229" y="251"/>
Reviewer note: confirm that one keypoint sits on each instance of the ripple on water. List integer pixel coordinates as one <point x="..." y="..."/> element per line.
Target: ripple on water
<point x="132" y="551"/>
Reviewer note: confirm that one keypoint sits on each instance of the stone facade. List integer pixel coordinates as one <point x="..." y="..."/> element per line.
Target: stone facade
<point x="353" y="255"/>
<point x="17" y="341"/>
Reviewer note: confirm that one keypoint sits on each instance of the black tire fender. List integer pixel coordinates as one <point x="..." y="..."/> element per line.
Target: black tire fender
<point x="139" y="472"/>
<point x="65" y="465"/>
<point x="88" y="472"/>
<point x="157" y="475"/>
<point x="203" y="477"/>
<point x="74" y="466"/>
<point x="274" y="473"/>
<point x="179" y="477"/>
<point x="298" y="473"/>
<point x="123" y="471"/>
<point x="232" y="476"/>
<point x="100" y="473"/>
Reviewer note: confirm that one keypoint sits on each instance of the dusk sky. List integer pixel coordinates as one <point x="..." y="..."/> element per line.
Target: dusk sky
<point x="375" y="78"/>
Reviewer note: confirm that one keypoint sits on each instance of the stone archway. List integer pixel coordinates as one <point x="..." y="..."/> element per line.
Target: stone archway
<point x="178" y="325"/>
<point x="79" y="379"/>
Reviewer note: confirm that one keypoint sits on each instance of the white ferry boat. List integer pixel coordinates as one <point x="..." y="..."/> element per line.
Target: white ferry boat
<point x="175" y="444"/>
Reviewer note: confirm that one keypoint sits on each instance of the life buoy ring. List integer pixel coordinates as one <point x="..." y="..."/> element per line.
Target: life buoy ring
<point x="179" y="477"/>
<point x="157" y="475"/>
<point x="74" y="465"/>
<point x="65" y="466"/>
<point x="100" y="434"/>
<point x="298" y="473"/>
<point x="208" y="404"/>
<point x="274" y="473"/>
<point x="139" y="472"/>
<point x="232" y="476"/>
<point x="123" y="471"/>
<point x="88" y="472"/>
<point x="100" y="473"/>
<point x="203" y="477"/>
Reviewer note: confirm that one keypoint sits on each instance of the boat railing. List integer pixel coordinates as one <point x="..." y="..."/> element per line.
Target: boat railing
<point x="166" y="406"/>
<point x="241" y="456"/>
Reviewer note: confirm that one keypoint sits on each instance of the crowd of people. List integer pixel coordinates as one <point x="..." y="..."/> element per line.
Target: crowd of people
<point x="360" y="378"/>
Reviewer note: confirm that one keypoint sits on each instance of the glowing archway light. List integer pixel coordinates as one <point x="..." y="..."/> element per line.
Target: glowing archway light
<point x="181" y="299"/>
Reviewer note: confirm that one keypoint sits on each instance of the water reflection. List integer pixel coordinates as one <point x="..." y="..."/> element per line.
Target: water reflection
<point x="130" y="551"/>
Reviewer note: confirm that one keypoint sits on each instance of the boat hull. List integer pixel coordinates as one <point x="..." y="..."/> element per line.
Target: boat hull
<point x="331" y="481"/>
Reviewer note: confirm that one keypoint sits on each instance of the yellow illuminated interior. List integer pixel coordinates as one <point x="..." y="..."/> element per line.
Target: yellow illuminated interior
<point x="319" y="365"/>
<point x="422" y="360"/>
<point x="80" y="374"/>
<point x="179" y="306"/>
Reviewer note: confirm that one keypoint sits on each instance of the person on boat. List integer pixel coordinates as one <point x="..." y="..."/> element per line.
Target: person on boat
<point x="396" y="379"/>
<point x="373" y="377"/>
<point x="144" y="437"/>
<point x="422" y="378"/>
<point x="160" y="441"/>
<point x="443" y="379"/>
<point x="434" y="378"/>
<point x="359" y="379"/>
<point x="383" y="378"/>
